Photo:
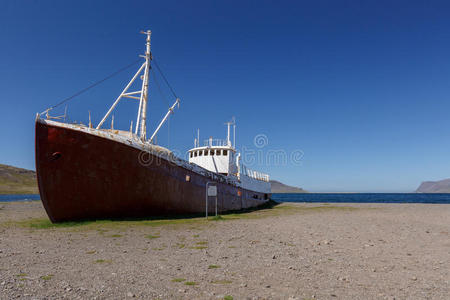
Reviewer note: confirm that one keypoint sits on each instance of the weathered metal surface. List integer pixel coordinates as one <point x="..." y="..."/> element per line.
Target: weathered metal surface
<point x="87" y="176"/>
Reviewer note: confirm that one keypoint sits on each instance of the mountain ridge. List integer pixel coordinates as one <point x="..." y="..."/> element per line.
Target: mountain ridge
<point x="279" y="188"/>
<point x="439" y="186"/>
<point x="15" y="180"/>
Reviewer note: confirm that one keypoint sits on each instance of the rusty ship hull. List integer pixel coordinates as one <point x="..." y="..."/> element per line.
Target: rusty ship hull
<point x="86" y="175"/>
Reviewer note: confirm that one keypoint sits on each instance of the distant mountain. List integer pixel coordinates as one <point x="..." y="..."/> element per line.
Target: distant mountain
<point x="441" y="186"/>
<point x="278" y="187"/>
<point x="17" y="181"/>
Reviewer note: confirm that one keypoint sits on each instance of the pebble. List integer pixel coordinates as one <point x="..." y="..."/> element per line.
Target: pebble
<point x="131" y="295"/>
<point x="274" y="257"/>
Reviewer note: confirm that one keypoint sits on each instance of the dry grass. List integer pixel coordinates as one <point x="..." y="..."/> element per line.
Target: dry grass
<point x="121" y="224"/>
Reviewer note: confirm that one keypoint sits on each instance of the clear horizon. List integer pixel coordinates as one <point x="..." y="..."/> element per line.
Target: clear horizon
<point x="358" y="90"/>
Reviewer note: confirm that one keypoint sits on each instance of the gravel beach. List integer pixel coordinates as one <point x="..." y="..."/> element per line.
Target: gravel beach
<point x="291" y="251"/>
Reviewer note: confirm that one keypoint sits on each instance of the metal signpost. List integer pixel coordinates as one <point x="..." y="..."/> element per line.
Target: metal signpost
<point x="211" y="191"/>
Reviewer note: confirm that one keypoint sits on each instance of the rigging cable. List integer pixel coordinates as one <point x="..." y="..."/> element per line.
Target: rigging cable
<point x="91" y="86"/>
<point x="159" y="87"/>
<point x="164" y="77"/>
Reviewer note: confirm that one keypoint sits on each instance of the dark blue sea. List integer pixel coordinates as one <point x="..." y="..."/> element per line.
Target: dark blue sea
<point x="364" y="198"/>
<point x="319" y="197"/>
<point x="13" y="198"/>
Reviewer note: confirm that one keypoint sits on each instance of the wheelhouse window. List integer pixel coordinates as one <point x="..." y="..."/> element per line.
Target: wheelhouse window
<point x="200" y="153"/>
<point x="218" y="152"/>
<point x="225" y="152"/>
<point x="211" y="152"/>
<point x="195" y="153"/>
<point x="206" y="152"/>
<point x="190" y="154"/>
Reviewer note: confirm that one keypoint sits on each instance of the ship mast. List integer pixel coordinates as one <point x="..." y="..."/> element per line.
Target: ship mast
<point x="141" y="95"/>
<point x="144" y="95"/>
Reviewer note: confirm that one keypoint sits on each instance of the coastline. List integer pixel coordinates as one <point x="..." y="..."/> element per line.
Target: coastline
<point x="296" y="251"/>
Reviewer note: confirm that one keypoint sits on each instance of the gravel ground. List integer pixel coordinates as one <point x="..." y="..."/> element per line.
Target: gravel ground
<point x="293" y="251"/>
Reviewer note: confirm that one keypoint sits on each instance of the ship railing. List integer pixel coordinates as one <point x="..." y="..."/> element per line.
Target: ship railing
<point x="215" y="143"/>
<point x="254" y="174"/>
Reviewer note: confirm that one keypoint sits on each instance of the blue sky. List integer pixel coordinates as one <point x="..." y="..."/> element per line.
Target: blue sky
<point x="360" y="87"/>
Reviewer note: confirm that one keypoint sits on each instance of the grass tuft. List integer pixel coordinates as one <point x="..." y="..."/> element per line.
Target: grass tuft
<point x="213" y="266"/>
<point x="228" y="297"/>
<point x="152" y="236"/>
<point x="202" y="243"/>
<point x="199" y="247"/>
<point x="223" y="281"/>
<point x="47" y="277"/>
<point x="190" y="283"/>
<point x="178" y="280"/>
<point x="115" y="235"/>
<point x="102" y="261"/>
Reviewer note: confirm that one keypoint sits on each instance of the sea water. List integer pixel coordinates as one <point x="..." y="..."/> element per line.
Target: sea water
<point x="19" y="197"/>
<point x="318" y="197"/>
<point x="364" y="198"/>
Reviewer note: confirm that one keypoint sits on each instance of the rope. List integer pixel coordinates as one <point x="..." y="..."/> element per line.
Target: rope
<point x="91" y="86"/>
<point x="159" y="87"/>
<point x="164" y="77"/>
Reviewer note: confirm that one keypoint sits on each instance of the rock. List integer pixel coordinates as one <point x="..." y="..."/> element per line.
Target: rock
<point x="414" y="278"/>
<point x="131" y="295"/>
<point x="274" y="257"/>
<point x="268" y="286"/>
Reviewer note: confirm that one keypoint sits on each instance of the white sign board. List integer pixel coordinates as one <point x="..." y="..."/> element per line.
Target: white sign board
<point x="212" y="191"/>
